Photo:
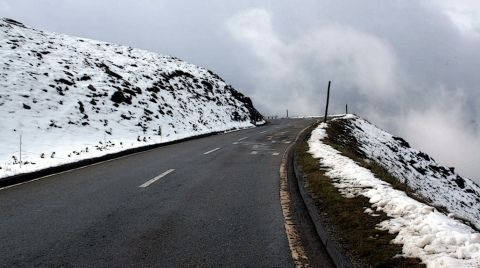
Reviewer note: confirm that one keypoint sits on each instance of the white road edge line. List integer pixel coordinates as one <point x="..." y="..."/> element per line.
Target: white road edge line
<point x="82" y="167"/>
<point x="211" y="151"/>
<point x="147" y="183"/>
<point x="96" y="164"/>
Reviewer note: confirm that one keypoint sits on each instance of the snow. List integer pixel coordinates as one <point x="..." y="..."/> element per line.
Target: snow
<point x="440" y="185"/>
<point x="72" y="98"/>
<point x="438" y="240"/>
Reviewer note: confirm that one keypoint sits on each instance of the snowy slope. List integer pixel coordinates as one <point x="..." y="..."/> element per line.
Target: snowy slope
<point x="437" y="239"/>
<point x="72" y="98"/>
<point x="440" y="185"/>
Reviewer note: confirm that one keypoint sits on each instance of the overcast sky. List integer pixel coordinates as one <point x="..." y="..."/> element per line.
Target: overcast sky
<point x="411" y="67"/>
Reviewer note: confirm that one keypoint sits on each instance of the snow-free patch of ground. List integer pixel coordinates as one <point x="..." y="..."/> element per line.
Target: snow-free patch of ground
<point x="437" y="239"/>
<point x="72" y="98"/>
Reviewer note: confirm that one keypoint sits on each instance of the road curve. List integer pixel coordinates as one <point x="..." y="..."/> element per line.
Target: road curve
<point x="212" y="201"/>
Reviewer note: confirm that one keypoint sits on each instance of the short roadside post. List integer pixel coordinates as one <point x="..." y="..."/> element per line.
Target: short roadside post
<point x="328" y="99"/>
<point x="20" y="153"/>
<point x="160" y="132"/>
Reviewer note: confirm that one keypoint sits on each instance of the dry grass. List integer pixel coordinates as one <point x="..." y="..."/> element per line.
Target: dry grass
<point x="354" y="229"/>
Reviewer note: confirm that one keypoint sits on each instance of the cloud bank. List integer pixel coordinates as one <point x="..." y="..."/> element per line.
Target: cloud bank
<point x="291" y="73"/>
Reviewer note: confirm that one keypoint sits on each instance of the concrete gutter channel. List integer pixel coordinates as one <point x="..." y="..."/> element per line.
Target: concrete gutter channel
<point x="336" y="252"/>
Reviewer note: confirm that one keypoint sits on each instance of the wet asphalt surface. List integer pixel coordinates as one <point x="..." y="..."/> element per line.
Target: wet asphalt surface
<point x="219" y="207"/>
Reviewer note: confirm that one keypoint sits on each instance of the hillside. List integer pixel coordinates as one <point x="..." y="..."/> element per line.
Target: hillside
<point x="399" y="196"/>
<point x="66" y="99"/>
<point x="437" y="184"/>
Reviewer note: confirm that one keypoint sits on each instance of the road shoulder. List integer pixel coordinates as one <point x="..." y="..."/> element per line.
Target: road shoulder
<point x="305" y="245"/>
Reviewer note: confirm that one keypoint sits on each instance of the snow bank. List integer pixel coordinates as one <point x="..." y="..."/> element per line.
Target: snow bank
<point x="72" y="98"/>
<point x="436" y="183"/>
<point x="438" y="240"/>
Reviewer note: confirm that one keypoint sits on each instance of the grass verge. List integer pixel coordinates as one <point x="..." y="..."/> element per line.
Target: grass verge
<point x="354" y="229"/>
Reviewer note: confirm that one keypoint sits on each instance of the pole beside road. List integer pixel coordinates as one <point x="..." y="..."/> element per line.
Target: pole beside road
<point x="328" y="99"/>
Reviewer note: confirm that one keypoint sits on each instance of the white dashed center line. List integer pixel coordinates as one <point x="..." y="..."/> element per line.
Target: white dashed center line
<point x="275" y="153"/>
<point x="263" y="131"/>
<point x="242" y="139"/>
<point x="147" y="183"/>
<point x="211" y="151"/>
<point x="254" y="152"/>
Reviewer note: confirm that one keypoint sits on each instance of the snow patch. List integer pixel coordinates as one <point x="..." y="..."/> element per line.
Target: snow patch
<point x="436" y="183"/>
<point x="437" y="239"/>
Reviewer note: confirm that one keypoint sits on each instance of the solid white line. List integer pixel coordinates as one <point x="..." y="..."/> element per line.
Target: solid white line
<point x="147" y="183"/>
<point x="83" y="167"/>
<point x="97" y="163"/>
<point x="211" y="151"/>
<point x="242" y="139"/>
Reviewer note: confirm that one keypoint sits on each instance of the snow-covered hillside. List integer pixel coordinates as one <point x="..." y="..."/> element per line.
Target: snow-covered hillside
<point x="440" y="185"/>
<point x="72" y="98"/>
<point x="438" y="238"/>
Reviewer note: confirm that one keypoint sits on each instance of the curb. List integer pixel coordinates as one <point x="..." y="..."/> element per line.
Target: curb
<point x="337" y="254"/>
<point x="297" y="250"/>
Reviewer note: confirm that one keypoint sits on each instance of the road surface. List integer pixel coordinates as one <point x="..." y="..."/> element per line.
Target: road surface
<point x="212" y="201"/>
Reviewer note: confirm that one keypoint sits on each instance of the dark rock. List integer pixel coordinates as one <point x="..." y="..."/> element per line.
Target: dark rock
<point x="460" y="182"/>
<point x="118" y="97"/>
<point x="424" y="156"/>
<point x="81" y="108"/>
<point x="64" y="81"/>
<point x="402" y="142"/>
<point x="85" y="78"/>
<point x="92" y="88"/>
<point x="108" y="71"/>
<point x="14" y="22"/>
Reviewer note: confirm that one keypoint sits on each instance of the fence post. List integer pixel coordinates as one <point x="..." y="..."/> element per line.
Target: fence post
<point x="346" y="108"/>
<point x="328" y="99"/>
<point x="20" y="156"/>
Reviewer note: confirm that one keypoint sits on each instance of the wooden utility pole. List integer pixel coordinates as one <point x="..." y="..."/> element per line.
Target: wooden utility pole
<point x="328" y="99"/>
<point x="287" y="113"/>
<point x="346" y="108"/>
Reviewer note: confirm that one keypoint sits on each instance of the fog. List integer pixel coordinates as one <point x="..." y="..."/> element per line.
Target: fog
<point x="410" y="67"/>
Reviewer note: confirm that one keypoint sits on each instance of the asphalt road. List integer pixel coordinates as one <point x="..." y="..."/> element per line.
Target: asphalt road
<point x="212" y="201"/>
